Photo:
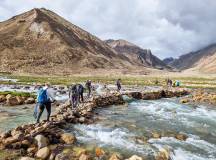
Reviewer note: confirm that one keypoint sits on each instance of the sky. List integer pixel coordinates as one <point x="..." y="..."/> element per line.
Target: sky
<point x="169" y="28"/>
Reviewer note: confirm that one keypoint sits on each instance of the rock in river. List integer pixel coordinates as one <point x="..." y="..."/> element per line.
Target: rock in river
<point x="42" y="141"/>
<point x="68" y="138"/>
<point x="43" y="153"/>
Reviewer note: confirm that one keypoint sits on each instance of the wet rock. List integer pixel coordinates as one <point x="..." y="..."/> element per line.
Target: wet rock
<point x="84" y="157"/>
<point x="5" y="135"/>
<point x="32" y="149"/>
<point x="2" y="98"/>
<point x="43" y="153"/>
<point x="25" y="144"/>
<point x="135" y="157"/>
<point x="181" y="137"/>
<point x="42" y="141"/>
<point x="8" y="96"/>
<point x="163" y="155"/>
<point x="184" y="100"/>
<point x="81" y="120"/>
<point x="62" y="156"/>
<point x="116" y="156"/>
<point x="26" y="158"/>
<point x="30" y="100"/>
<point x="10" y="140"/>
<point x="52" y="156"/>
<point x="156" y="135"/>
<point x="99" y="152"/>
<point x="68" y="138"/>
<point x="12" y="101"/>
<point x="20" y="100"/>
<point x="78" y="151"/>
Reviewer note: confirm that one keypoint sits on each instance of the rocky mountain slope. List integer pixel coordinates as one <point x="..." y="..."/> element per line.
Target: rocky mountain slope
<point x="168" y="60"/>
<point x="40" y="41"/>
<point x="137" y="55"/>
<point x="203" y="61"/>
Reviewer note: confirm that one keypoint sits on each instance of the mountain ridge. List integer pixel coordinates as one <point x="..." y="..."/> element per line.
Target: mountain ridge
<point x="203" y="60"/>
<point x="137" y="55"/>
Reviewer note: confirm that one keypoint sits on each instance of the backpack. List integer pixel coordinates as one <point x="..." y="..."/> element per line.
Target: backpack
<point x="42" y="96"/>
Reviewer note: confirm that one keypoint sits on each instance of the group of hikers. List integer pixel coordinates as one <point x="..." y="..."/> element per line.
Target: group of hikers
<point x="170" y="83"/>
<point x="76" y="91"/>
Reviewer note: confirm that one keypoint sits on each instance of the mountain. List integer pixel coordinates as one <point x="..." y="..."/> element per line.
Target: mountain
<point x="168" y="60"/>
<point x="40" y="41"/>
<point x="136" y="55"/>
<point x="201" y="61"/>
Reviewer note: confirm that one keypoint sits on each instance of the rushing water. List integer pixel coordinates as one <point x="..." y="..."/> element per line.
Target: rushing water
<point x="119" y="127"/>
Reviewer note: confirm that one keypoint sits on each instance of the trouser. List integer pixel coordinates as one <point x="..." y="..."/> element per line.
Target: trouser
<point x="75" y="100"/>
<point x="119" y="87"/>
<point x="89" y="91"/>
<point x="81" y="97"/>
<point x="41" y="109"/>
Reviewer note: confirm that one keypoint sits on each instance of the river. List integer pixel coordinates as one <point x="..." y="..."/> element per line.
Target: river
<point x="128" y="128"/>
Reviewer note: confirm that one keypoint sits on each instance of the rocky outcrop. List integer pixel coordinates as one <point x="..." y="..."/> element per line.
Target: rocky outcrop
<point x="11" y="100"/>
<point x="200" y="96"/>
<point x="158" y="94"/>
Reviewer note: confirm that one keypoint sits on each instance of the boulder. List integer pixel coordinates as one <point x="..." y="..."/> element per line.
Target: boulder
<point x="30" y="100"/>
<point x="20" y="100"/>
<point x="43" y="153"/>
<point x="116" y="156"/>
<point x="5" y="135"/>
<point x="181" y="137"/>
<point x="32" y="150"/>
<point x="68" y="138"/>
<point x="78" y="151"/>
<point x="84" y="157"/>
<point x="62" y="156"/>
<point x="8" y="96"/>
<point x="2" y="98"/>
<point x="25" y="143"/>
<point x="99" y="152"/>
<point x="82" y="119"/>
<point x="163" y="155"/>
<point x="184" y="100"/>
<point x="10" y="140"/>
<point x="42" y="141"/>
<point x="135" y="157"/>
<point x="12" y="101"/>
<point x="156" y="135"/>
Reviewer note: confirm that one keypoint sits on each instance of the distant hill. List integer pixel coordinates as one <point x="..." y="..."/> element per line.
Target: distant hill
<point x="40" y="41"/>
<point x="136" y="55"/>
<point x="203" y="60"/>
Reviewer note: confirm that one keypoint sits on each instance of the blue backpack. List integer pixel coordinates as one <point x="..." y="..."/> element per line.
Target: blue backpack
<point x="42" y="96"/>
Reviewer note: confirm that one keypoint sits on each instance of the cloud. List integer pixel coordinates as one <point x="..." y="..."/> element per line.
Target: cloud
<point x="168" y="27"/>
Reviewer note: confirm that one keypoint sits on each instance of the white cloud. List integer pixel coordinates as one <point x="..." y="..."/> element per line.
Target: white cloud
<point x="168" y="27"/>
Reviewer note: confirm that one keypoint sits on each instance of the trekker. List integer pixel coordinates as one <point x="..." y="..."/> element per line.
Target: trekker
<point x="74" y="95"/>
<point x="44" y="100"/>
<point x="89" y="87"/>
<point x="118" y="84"/>
<point x="177" y="83"/>
<point x="81" y="90"/>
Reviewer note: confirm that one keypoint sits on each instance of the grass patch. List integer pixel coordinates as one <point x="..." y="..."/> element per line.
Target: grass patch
<point x="191" y="82"/>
